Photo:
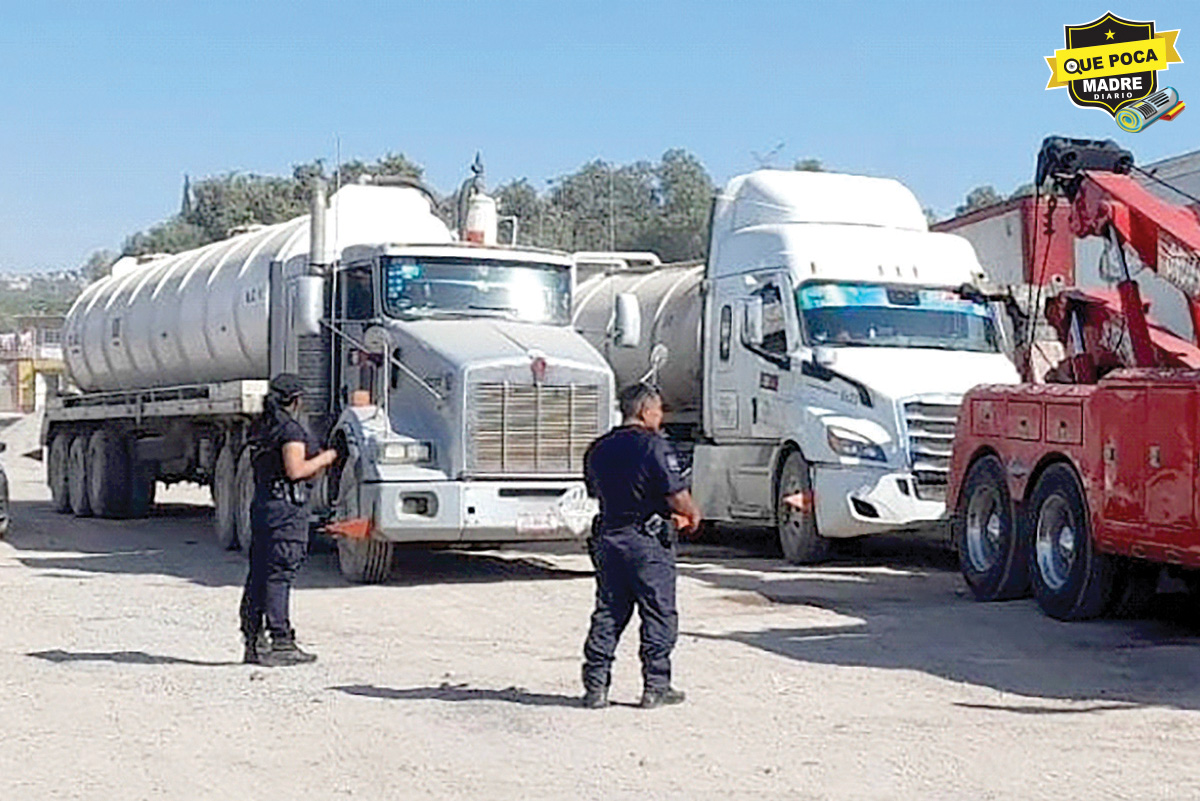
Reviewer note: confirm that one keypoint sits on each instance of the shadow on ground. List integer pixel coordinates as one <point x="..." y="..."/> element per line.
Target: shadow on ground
<point x="122" y="658"/>
<point x="905" y="608"/>
<point x="176" y="540"/>
<point x="458" y="693"/>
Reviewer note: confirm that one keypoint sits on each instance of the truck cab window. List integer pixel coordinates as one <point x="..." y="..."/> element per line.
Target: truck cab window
<point x="774" y="319"/>
<point x="358" y="294"/>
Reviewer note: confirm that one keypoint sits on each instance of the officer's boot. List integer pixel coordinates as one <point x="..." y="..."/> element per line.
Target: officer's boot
<point x="595" y="698"/>
<point x="667" y="696"/>
<point x="284" y="652"/>
<point x="256" y="647"/>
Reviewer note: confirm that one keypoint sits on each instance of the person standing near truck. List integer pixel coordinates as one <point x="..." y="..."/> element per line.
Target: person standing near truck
<point x="285" y="457"/>
<point x="642" y="492"/>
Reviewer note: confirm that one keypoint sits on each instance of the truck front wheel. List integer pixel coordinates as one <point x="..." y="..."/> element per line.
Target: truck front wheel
<point x="57" y="472"/>
<point x="992" y="555"/>
<point x="365" y="561"/>
<point x="1071" y="579"/>
<point x="795" y="514"/>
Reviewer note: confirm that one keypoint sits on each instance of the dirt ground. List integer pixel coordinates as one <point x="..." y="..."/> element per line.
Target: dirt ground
<point x="874" y="677"/>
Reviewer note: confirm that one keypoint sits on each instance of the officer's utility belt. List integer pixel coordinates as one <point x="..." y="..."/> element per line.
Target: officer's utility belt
<point x="656" y="526"/>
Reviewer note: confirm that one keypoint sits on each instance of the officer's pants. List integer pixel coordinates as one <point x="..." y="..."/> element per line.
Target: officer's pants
<point x="632" y="569"/>
<point x="274" y="560"/>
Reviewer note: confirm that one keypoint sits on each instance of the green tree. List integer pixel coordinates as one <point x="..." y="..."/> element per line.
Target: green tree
<point x="979" y="198"/>
<point x="98" y="264"/>
<point x="809" y="165"/>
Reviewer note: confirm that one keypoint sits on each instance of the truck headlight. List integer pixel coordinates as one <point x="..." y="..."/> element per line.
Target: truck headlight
<point x="405" y="452"/>
<point x="847" y="443"/>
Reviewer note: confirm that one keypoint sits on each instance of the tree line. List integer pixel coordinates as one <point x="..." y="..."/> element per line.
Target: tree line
<point x="661" y="206"/>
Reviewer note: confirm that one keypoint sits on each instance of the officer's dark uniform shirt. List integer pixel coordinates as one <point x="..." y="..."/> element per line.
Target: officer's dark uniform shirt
<point x="272" y="493"/>
<point x="632" y="471"/>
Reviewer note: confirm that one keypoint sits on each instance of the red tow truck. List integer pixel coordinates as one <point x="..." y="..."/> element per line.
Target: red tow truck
<point x="1085" y="489"/>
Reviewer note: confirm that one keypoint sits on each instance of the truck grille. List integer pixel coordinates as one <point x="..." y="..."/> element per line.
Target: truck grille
<point x="930" y="427"/>
<point x="523" y="428"/>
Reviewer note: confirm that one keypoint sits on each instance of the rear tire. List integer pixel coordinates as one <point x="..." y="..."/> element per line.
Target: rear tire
<point x="77" y="476"/>
<point x="993" y="554"/>
<point x="108" y="474"/>
<point x="243" y="496"/>
<point x="799" y="539"/>
<point x="1071" y="579"/>
<point x="57" y="474"/>
<point x="224" y="491"/>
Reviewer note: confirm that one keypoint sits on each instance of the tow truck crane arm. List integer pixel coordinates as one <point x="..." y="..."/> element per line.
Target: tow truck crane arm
<point x="1107" y="202"/>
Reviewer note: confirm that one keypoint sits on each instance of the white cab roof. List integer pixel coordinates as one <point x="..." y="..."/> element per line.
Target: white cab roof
<point x="774" y="197"/>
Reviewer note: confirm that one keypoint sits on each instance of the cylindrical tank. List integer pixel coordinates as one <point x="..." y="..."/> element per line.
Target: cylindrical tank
<point x="671" y="307"/>
<point x="201" y="316"/>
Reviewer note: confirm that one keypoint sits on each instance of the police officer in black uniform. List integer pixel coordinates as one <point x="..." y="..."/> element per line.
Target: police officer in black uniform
<point x="285" y="457"/>
<point x="644" y="499"/>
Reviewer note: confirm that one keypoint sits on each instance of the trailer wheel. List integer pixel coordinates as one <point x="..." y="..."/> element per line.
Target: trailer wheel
<point x="1071" y="579"/>
<point x="77" y="476"/>
<point x="243" y="496"/>
<point x="799" y="539"/>
<point x="993" y="556"/>
<point x="108" y="474"/>
<point x="224" y="491"/>
<point x="361" y="561"/>
<point x="57" y="472"/>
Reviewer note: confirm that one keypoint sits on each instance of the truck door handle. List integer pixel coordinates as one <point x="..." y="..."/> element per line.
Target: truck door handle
<point x="754" y="410"/>
<point x="1155" y="457"/>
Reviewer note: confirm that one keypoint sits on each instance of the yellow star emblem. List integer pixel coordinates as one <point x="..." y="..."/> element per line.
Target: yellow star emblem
<point x="1108" y="34"/>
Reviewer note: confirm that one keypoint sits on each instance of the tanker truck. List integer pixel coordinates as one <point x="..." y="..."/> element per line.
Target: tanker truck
<point x="814" y="364"/>
<point x="445" y="372"/>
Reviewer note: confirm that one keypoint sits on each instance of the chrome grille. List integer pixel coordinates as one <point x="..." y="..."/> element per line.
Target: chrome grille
<point x="930" y="427"/>
<point x="525" y="428"/>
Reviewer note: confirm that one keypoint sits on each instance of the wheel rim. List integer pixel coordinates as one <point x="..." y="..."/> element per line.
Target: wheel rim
<point x="985" y="527"/>
<point x="791" y="519"/>
<point x="1057" y="542"/>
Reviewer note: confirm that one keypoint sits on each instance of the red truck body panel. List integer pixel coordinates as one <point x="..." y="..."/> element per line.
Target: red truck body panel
<point x="1132" y="439"/>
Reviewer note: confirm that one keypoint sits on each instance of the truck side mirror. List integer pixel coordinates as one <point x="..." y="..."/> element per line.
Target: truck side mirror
<point x="308" y="304"/>
<point x="824" y="356"/>
<point x="752" y="314"/>
<point x="629" y="320"/>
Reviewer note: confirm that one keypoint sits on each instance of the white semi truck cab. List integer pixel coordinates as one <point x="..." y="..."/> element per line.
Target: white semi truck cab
<point x="468" y="400"/>
<point x="816" y="362"/>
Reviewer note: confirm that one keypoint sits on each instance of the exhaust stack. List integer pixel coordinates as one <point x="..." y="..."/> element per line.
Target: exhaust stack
<point x="318" y="256"/>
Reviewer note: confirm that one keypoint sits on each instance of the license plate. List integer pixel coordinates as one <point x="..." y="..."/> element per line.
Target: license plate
<point x="533" y="524"/>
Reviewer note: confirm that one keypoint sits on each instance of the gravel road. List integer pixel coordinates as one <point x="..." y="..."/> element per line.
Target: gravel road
<point x="873" y="677"/>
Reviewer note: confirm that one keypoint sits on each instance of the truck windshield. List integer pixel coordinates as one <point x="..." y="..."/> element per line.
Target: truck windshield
<point x="418" y="286"/>
<point x="893" y="316"/>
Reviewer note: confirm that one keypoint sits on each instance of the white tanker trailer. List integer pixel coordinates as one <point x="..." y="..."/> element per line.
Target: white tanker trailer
<point x="446" y="373"/>
<point x="814" y="365"/>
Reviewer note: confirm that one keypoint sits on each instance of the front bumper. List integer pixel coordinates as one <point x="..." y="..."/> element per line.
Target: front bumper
<point x="479" y="511"/>
<point x="853" y="501"/>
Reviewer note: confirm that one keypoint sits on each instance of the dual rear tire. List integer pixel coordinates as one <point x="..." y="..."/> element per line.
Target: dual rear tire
<point x="1047" y="549"/>
<point x="94" y="473"/>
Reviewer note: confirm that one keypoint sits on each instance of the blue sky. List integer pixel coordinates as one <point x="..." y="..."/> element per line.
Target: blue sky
<point x="106" y="105"/>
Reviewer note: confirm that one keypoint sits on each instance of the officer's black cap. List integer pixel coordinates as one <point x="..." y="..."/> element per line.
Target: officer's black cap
<point x="287" y="387"/>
